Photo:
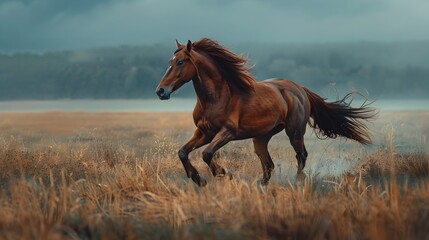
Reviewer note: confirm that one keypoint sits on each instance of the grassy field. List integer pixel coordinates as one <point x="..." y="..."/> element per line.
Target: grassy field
<point x="80" y="175"/>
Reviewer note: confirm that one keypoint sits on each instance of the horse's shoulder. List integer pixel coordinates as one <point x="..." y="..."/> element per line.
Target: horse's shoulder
<point x="197" y="114"/>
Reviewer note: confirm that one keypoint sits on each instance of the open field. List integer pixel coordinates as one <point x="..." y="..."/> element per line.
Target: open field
<point x="117" y="176"/>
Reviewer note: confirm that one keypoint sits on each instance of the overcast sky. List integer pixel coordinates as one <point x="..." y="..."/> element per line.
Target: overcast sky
<point x="41" y="25"/>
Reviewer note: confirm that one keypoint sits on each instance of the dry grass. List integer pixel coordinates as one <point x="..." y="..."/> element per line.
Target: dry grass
<point x="117" y="176"/>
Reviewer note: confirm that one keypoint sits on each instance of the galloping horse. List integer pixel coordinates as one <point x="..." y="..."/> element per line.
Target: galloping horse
<point x="232" y="105"/>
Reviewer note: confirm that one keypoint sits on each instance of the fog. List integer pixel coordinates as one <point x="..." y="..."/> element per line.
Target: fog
<point x="172" y="105"/>
<point x="43" y="25"/>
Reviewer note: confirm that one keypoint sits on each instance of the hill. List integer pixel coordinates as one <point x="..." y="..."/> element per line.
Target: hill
<point x="384" y="70"/>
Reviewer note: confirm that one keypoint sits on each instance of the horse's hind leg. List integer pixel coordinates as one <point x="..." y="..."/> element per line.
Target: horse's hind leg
<point x="261" y="149"/>
<point x="296" y="139"/>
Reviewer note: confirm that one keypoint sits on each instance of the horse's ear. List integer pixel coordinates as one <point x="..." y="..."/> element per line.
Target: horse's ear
<point x="178" y="44"/>
<point x="189" y="46"/>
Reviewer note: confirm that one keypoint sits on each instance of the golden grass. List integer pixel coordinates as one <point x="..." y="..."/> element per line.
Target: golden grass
<point x="117" y="176"/>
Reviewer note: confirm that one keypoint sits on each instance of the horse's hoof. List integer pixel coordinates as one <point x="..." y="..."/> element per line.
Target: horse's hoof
<point x="300" y="176"/>
<point x="200" y="180"/>
<point x="228" y="174"/>
<point x="263" y="182"/>
<point x="262" y="185"/>
<point x="225" y="173"/>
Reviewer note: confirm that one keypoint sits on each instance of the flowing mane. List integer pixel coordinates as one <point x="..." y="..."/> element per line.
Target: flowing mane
<point x="232" y="67"/>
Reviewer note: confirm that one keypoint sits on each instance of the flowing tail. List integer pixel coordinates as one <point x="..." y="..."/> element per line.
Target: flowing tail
<point x="333" y="119"/>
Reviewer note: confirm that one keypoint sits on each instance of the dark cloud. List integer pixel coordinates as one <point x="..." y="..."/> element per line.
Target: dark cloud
<point x="62" y="24"/>
<point x="331" y="7"/>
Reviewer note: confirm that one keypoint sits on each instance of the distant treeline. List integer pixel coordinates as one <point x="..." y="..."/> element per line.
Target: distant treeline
<point x="384" y="70"/>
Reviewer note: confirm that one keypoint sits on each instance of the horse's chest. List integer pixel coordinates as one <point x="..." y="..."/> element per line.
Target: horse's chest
<point x="209" y="124"/>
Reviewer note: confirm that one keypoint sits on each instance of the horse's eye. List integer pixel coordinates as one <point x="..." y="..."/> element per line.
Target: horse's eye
<point x="180" y="62"/>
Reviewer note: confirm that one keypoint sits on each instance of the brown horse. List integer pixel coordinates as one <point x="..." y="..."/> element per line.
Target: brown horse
<point x="232" y="105"/>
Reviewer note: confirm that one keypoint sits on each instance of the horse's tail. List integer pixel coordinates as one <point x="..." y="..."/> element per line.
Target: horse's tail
<point x="333" y="119"/>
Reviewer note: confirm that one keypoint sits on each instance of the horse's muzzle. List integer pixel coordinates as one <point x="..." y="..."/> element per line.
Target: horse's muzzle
<point x="163" y="93"/>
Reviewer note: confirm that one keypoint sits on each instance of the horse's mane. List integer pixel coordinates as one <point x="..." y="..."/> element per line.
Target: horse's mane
<point x="232" y="67"/>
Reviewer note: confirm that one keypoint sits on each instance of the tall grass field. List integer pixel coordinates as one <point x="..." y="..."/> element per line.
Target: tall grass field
<point x="82" y="175"/>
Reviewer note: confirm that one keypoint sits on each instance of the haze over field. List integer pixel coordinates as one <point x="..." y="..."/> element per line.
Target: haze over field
<point x="176" y="105"/>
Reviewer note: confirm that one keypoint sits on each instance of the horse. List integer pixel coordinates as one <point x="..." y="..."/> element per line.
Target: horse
<point x="231" y="105"/>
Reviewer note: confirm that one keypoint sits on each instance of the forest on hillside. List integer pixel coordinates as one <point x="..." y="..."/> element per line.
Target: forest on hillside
<point x="380" y="70"/>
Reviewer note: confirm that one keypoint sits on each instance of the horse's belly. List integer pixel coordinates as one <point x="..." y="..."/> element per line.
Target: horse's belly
<point x="249" y="128"/>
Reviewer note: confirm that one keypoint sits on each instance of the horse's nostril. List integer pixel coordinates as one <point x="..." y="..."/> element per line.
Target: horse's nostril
<point x="163" y="93"/>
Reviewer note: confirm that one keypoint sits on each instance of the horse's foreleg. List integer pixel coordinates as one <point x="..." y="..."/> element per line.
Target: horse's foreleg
<point x="197" y="140"/>
<point x="261" y="149"/>
<point x="221" y="138"/>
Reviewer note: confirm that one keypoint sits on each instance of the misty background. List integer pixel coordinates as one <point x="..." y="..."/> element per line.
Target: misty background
<point x="118" y="49"/>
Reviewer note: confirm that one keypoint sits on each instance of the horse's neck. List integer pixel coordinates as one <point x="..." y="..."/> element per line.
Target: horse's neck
<point x="211" y="89"/>
<point x="211" y="92"/>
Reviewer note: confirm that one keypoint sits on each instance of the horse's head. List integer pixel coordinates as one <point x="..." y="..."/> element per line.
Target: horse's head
<point x="181" y="69"/>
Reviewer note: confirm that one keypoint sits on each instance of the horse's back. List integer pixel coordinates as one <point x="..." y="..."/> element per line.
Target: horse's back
<point x="295" y="97"/>
<point x="287" y="87"/>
